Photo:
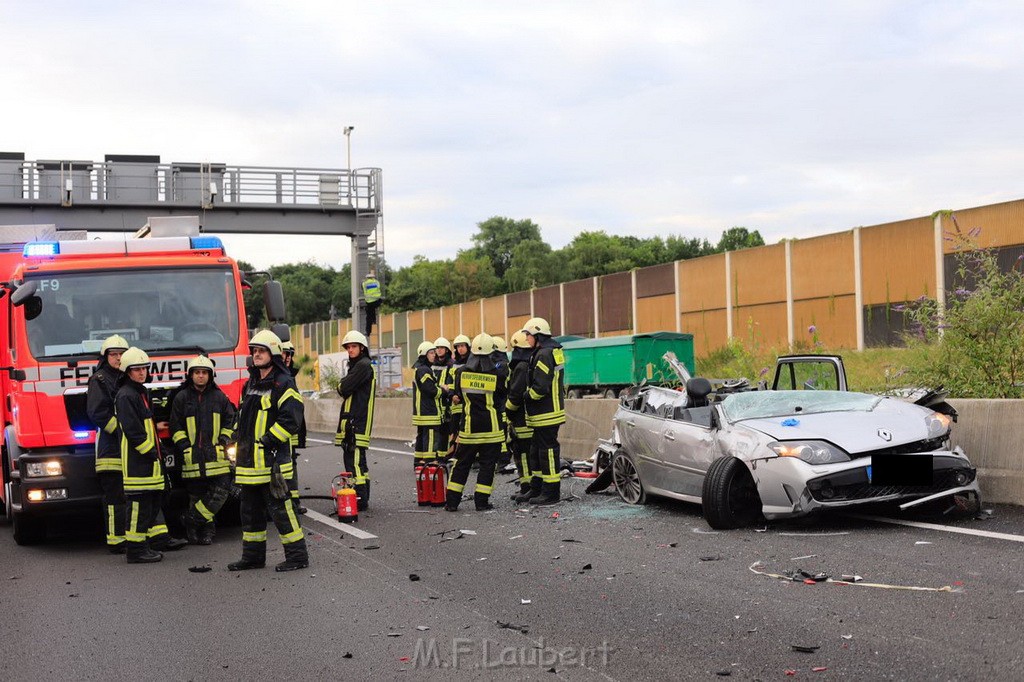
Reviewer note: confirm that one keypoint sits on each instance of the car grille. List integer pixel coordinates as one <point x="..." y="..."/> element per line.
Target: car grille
<point x="824" y="490"/>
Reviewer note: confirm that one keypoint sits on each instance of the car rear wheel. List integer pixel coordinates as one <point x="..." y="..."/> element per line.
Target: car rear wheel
<point x="729" y="496"/>
<point x="627" y="480"/>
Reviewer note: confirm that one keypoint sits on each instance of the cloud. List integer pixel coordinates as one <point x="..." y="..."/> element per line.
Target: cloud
<point x="636" y="118"/>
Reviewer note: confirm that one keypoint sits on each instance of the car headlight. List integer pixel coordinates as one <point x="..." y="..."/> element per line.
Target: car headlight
<point x="41" y="469"/>
<point x="810" y="451"/>
<point x="938" y="424"/>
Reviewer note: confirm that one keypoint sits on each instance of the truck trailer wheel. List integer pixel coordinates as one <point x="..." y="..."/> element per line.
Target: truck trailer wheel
<point x="574" y="394"/>
<point x="28" y="530"/>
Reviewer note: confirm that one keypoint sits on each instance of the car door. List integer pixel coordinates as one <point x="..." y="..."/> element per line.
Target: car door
<point x="688" y="446"/>
<point x="640" y="429"/>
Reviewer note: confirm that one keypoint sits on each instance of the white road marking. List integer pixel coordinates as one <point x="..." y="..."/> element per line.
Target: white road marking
<point x="947" y="529"/>
<point x="372" y="447"/>
<point x="338" y="525"/>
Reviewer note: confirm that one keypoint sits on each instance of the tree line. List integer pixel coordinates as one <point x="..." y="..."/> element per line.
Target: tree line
<point x="505" y="256"/>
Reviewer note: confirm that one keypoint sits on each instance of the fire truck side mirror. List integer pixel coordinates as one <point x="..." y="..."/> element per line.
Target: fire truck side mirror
<point x="33" y="307"/>
<point x="23" y="293"/>
<point x="283" y="331"/>
<point x="273" y="301"/>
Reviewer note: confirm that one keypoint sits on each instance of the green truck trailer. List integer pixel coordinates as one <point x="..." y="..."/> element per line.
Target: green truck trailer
<point x="607" y="365"/>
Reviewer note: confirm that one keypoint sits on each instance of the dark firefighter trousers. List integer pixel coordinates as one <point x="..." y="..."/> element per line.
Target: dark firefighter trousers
<point x="521" y="455"/>
<point x="112" y="486"/>
<point x="355" y="463"/>
<point x="545" y="454"/>
<point x="428" y="446"/>
<point x="144" y="522"/>
<point x="257" y="504"/>
<point x="465" y="455"/>
<point x="206" y="496"/>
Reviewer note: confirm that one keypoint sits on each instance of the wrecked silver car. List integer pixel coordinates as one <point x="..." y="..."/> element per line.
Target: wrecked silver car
<point x="783" y="454"/>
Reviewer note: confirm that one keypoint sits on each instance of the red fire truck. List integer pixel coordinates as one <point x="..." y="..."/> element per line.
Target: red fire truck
<point x="172" y="296"/>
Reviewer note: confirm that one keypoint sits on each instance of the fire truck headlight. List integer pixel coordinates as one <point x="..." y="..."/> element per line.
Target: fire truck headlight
<point x="41" y="469"/>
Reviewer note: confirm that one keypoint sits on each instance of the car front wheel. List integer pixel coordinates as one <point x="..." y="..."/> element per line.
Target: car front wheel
<point x="729" y="498"/>
<point x="627" y="480"/>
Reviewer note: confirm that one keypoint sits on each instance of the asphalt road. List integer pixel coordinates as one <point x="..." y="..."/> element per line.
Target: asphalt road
<point x="589" y="589"/>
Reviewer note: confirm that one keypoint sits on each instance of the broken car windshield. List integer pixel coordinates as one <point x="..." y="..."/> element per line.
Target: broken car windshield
<point x="763" y="404"/>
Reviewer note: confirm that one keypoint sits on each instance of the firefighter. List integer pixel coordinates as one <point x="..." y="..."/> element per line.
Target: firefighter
<point x="426" y="407"/>
<point x="545" y="411"/>
<point x="103" y="386"/>
<point x="269" y="413"/>
<point x="144" y="483"/>
<point x="460" y="353"/>
<point x="500" y="359"/>
<point x="201" y="421"/>
<point x="481" y="388"/>
<point x="371" y="296"/>
<point x="442" y="369"/>
<point x="358" y="389"/>
<point x="298" y="439"/>
<point x="521" y="433"/>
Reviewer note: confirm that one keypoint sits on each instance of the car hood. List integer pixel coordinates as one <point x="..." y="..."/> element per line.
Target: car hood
<point x="852" y="431"/>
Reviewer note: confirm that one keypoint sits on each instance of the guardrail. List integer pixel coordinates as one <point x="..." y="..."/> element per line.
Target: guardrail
<point x="185" y="184"/>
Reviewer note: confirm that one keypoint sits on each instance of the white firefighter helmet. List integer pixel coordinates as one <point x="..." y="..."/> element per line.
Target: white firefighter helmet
<point x="264" y="339"/>
<point x="115" y="342"/>
<point x="462" y="338"/>
<point x="519" y="340"/>
<point x="537" y="325"/>
<point x="355" y="337"/>
<point x="288" y="347"/>
<point x="201" y="362"/>
<point x="134" y="357"/>
<point x="500" y="345"/>
<point x="424" y="348"/>
<point x="442" y="342"/>
<point x="483" y="344"/>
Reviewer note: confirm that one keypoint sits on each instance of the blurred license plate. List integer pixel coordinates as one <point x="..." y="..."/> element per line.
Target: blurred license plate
<point x="901" y="470"/>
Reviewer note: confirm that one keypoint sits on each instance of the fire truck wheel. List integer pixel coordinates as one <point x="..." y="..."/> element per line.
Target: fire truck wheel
<point x="28" y="530"/>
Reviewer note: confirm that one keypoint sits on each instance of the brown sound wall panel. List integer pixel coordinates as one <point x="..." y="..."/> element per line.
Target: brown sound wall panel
<point x="451" y="326"/>
<point x="656" y="280"/>
<point x="579" y="307"/>
<point x="547" y="304"/>
<point x="433" y="328"/>
<point x="758" y="275"/>
<point x="415" y="318"/>
<point x="494" y="315"/>
<point x="898" y="261"/>
<point x="471" y="318"/>
<point x="616" y="292"/>
<point x="765" y="325"/>
<point x="822" y="266"/>
<point x="996" y="225"/>
<point x="386" y="323"/>
<point x="709" y="330"/>
<point x="834" y="320"/>
<point x="702" y="284"/>
<point x="615" y="332"/>
<point x="519" y="304"/>
<point x="515" y="324"/>
<point x="656" y="314"/>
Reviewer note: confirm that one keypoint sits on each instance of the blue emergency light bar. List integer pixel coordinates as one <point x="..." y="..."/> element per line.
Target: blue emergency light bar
<point x="110" y="246"/>
<point x="36" y="249"/>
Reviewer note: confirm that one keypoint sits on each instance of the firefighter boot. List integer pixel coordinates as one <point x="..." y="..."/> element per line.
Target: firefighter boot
<point x="551" y="494"/>
<point x="532" y="490"/>
<point x="296" y="557"/>
<point x="362" y="496"/>
<point x="482" y="501"/>
<point x="165" y="543"/>
<point x="140" y="553"/>
<point x="254" y="555"/>
<point x="524" y="490"/>
<point x="452" y="501"/>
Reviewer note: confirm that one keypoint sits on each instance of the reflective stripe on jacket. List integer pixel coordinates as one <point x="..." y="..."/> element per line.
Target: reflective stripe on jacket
<point x="481" y="387"/>
<point x="99" y="405"/>
<point x="545" y="390"/>
<point x="426" y="397"/>
<point x="358" y="391"/>
<point x="199" y="421"/>
<point x="270" y="413"/>
<point x="140" y="448"/>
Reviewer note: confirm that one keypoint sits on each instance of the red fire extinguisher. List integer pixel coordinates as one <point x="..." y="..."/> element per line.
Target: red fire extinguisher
<point x="345" y="495"/>
<point x="422" y="486"/>
<point x="437" y="483"/>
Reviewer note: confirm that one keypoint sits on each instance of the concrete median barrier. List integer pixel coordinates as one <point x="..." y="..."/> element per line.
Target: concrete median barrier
<point x="989" y="431"/>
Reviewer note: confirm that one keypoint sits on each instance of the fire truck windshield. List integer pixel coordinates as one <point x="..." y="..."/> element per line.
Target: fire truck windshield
<point x="152" y="309"/>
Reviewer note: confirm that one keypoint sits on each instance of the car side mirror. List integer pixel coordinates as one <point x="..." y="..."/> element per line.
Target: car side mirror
<point x="24" y="293"/>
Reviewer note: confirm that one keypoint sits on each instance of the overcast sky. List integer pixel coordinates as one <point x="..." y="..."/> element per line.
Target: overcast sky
<point x="644" y="118"/>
